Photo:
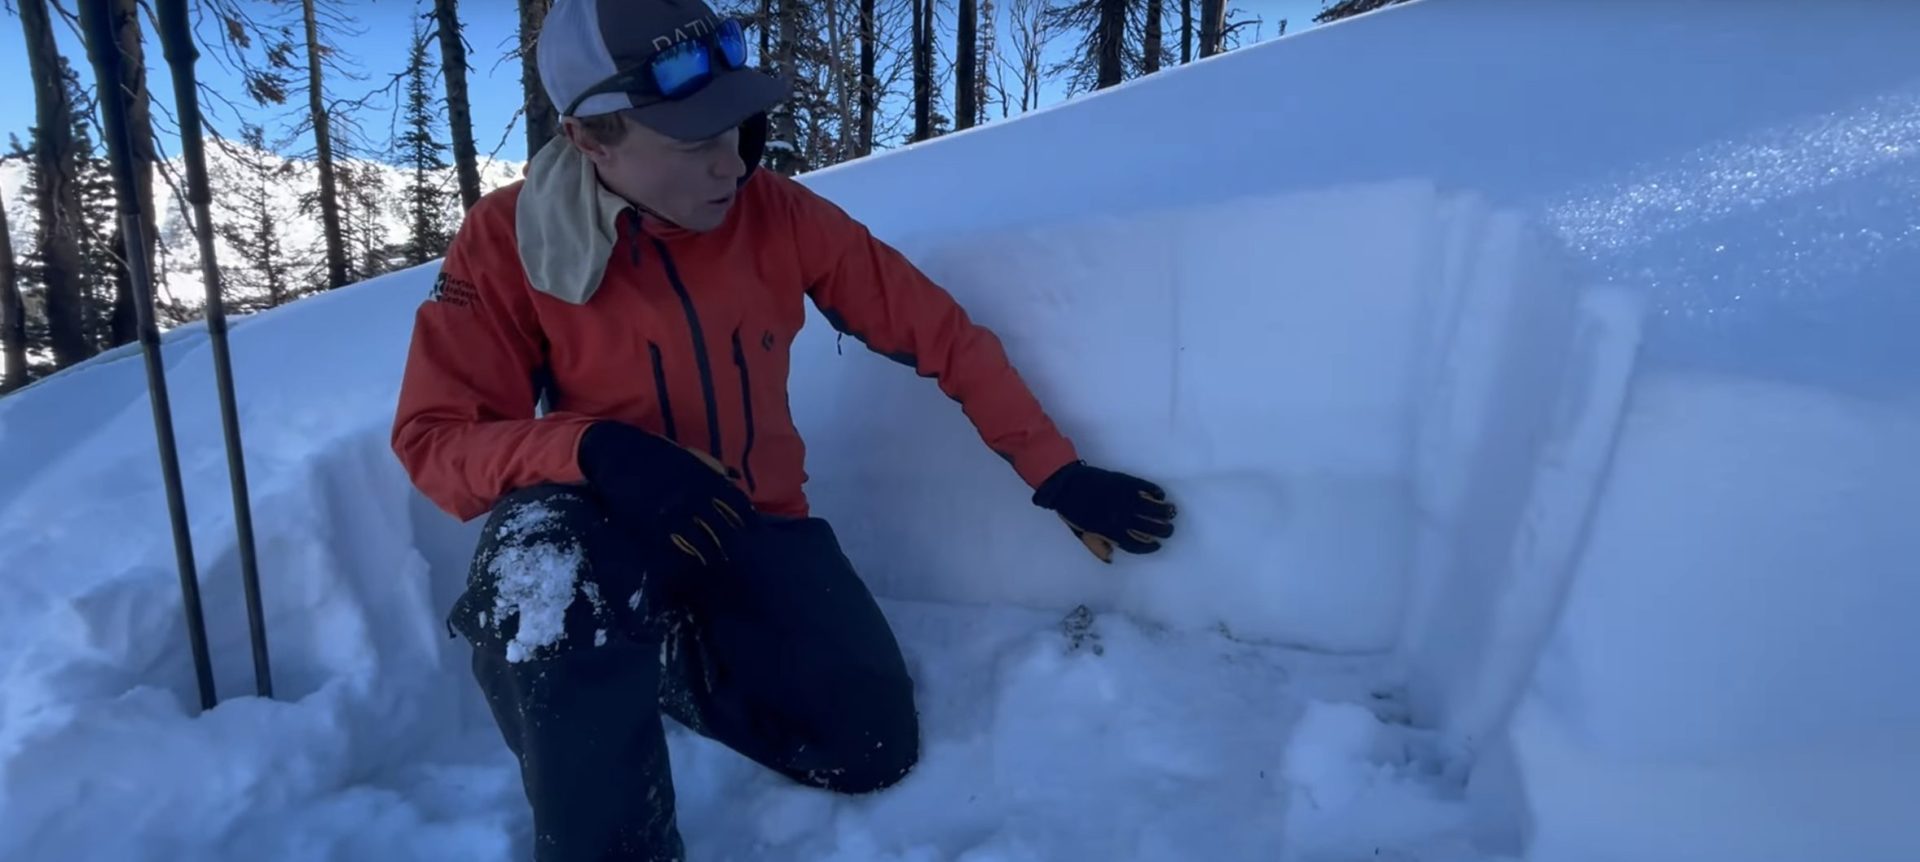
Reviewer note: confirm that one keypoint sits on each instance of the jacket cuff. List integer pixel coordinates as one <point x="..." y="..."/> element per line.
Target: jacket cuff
<point x="1037" y="463"/>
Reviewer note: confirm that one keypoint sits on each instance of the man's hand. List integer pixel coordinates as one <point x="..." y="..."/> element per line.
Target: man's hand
<point x="1107" y="509"/>
<point x="658" y="487"/>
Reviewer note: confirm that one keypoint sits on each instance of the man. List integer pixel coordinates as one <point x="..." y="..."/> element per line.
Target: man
<point x="649" y="548"/>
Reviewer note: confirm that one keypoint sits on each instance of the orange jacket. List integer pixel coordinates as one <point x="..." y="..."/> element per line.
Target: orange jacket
<point x="686" y="336"/>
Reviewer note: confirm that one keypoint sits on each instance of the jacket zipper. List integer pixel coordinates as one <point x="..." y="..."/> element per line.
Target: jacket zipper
<point x="746" y="405"/>
<point x="660" y="385"/>
<point x="699" y="350"/>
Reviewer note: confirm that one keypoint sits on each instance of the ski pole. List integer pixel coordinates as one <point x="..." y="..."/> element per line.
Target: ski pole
<point x="176" y="42"/>
<point x="96" y="22"/>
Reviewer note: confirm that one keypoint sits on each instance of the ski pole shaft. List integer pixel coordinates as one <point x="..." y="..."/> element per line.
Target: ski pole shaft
<point x="96" y="23"/>
<point x="176" y="43"/>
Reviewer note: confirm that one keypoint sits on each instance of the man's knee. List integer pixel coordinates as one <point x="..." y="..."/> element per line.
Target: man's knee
<point x="533" y="587"/>
<point x="868" y="752"/>
<point x="539" y="513"/>
<point x="893" y="757"/>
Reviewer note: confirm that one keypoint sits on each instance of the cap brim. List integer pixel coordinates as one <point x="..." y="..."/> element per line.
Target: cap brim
<point x="719" y="106"/>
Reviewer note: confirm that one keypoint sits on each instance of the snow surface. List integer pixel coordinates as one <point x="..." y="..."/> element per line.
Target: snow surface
<point x="1536" y="383"/>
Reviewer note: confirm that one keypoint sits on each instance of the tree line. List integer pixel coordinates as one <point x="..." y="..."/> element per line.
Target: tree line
<point x="867" y="74"/>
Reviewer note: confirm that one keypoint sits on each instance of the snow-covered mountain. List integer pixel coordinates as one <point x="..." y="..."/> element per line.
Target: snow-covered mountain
<point x="177" y="269"/>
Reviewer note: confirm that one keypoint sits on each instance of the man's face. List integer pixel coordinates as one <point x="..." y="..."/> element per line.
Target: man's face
<point x="690" y="183"/>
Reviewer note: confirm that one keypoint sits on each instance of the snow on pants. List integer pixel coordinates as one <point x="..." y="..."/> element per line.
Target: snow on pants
<point x="782" y="656"/>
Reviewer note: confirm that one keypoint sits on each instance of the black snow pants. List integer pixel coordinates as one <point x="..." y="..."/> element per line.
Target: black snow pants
<point x="782" y="655"/>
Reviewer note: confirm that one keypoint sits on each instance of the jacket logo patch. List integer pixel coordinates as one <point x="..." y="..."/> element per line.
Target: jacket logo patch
<point x="453" y="291"/>
<point x="766" y="340"/>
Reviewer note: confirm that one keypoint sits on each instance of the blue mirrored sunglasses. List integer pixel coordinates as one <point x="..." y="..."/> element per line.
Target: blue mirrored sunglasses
<point x="679" y="70"/>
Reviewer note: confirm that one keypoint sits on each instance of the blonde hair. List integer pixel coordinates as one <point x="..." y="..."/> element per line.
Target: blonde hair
<point x="605" y="129"/>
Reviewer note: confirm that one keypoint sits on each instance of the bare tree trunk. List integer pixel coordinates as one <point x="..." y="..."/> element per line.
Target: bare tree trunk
<point x="542" y="119"/>
<point x="922" y="72"/>
<point x="59" y="195"/>
<point x="1186" y="31"/>
<point x="13" y="314"/>
<point x="1030" y="35"/>
<point x="965" y="55"/>
<point x="323" y="144"/>
<point x="785" y="119"/>
<point x="124" y="326"/>
<point x="868" y="84"/>
<point x="765" y="19"/>
<point x="1152" y="47"/>
<point x="847" y="138"/>
<point x="1112" y="45"/>
<point x="989" y="56"/>
<point x="1213" y="25"/>
<point x="453" y="64"/>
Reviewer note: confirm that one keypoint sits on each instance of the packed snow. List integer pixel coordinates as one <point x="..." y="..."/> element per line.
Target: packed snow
<point x="1536" y="384"/>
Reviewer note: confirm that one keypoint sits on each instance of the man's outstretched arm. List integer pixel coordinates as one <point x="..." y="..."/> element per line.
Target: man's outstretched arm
<point x="869" y="290"/>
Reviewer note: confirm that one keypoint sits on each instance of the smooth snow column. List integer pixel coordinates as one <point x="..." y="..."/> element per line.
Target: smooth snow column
<point x="1515" y="423"/>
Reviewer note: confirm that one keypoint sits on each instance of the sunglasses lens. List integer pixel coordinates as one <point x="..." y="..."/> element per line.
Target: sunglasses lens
<point x="733" y="43"/>
<point x="681" y="69"/>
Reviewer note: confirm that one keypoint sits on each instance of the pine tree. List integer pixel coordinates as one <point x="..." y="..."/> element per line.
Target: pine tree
<point x="319" y="117"/>
<point x="427" y="205"/>
<point x="13" y="314"/>
<point x="453" y="66"/>
<point x="1186" y="31"/>
<point x="966" y="55"/>
<point x="25" y="233"/>
<point x="56" y="192"/>
<point x="103" y="275"/>
<point x="985" y="59"/>
<point x="1105" y="54"/>
<point x="869" y="82"/>
<point x="923" y="28"/>
<point x="125" y="17"/>
<point x="364" y="200"/>
<point x="1213" y="26"/>
<point x="1350" y="8"/>
<point x="259" y="272"/>
<point x="543" y="121"/>
<point x="1153" y="46"/>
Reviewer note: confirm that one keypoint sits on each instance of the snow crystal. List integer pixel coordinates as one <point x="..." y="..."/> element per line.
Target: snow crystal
<point x="537" y="582"/>
<point x="524" y="520"/>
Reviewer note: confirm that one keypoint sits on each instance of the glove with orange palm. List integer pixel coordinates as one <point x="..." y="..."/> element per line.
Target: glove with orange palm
<point x="1107" y="509"/>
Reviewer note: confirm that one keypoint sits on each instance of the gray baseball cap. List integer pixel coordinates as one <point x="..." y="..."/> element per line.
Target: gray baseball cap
<point x="599" y="49"/>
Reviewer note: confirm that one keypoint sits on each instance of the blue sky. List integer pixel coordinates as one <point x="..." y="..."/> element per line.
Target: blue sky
<point x="377" y="49"/>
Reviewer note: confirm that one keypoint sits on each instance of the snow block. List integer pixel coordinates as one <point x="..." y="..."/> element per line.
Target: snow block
<point x="1728" y="678"/>
<point x="1512" y="441"/>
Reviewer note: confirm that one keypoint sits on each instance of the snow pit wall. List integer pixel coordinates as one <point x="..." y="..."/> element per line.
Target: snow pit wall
<point x="1241" y="354"/>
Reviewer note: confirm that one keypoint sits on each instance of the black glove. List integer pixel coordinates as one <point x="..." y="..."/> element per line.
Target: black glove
<point x="662" y="489"/>
<point x="1105" y="509"/>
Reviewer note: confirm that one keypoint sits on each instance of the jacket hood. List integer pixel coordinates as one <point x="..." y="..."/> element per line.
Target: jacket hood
<point x="566" y="223"/>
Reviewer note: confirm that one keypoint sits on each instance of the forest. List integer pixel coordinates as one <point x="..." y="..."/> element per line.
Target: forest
<point x="326" y="170"/>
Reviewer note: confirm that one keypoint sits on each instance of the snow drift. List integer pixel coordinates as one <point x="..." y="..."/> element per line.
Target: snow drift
<point x="1558" y="368"/>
